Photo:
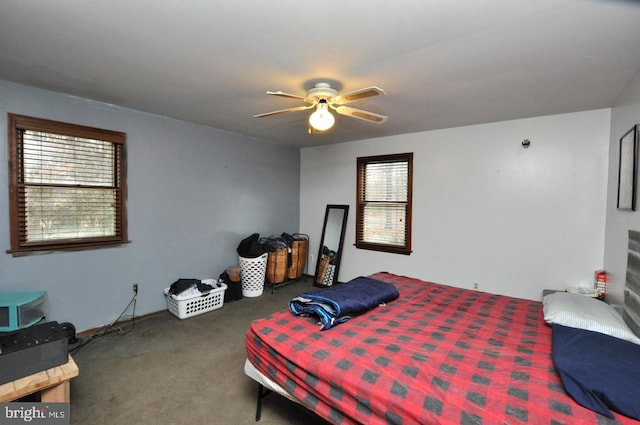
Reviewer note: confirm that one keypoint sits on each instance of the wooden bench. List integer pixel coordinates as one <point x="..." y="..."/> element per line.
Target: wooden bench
<point x="52" y="384"/>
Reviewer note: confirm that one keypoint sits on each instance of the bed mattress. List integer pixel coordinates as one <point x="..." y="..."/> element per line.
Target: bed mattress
<point x="436" y="355"/>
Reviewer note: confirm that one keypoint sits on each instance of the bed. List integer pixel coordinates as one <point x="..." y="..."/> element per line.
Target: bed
<point x="436" y="355"/>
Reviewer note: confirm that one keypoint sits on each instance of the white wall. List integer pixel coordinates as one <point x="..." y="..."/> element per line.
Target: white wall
<point x="624" y="116"/>
<point x="194" y="194"/>
<point x="485" y="210"/>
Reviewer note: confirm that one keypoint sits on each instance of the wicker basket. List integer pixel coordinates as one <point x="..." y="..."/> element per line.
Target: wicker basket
<point x="299" y="250"/>
<point x="277" y="266"/>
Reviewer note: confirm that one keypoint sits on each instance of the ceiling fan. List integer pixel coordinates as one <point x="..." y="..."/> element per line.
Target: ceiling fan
<point x="322" y="97"/>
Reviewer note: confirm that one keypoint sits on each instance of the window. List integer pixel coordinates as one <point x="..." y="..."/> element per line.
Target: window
<point x="383" y="221"/>
<point x="67" y="186"/>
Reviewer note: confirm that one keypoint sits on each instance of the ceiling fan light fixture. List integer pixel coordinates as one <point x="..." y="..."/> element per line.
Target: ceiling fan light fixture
<point x="323" y="98"/>
<point x="322" y="119"/>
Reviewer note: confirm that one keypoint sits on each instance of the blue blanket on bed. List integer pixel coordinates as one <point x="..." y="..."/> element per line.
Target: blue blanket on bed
<point x="339" y="303"/>
<point x="600" y="372"/>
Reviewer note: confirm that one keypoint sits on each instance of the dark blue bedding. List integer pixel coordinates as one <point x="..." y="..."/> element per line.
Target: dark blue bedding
<point x="339" y="303"/>
<point x="600" y="372"/>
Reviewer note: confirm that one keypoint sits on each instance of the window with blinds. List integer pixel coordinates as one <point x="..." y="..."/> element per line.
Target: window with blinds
<point x="383" y="221"/>
<point x="67" y="185"/>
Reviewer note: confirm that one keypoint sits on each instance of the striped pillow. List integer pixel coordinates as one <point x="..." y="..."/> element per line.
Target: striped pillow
<point x="579" y="311"/>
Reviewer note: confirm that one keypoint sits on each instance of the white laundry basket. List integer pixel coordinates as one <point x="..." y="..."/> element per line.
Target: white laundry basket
<point x="252" y="274"/>
<point x="189" y="304"/>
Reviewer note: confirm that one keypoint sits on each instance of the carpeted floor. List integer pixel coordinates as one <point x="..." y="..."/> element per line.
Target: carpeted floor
<point x="183" y="372"/>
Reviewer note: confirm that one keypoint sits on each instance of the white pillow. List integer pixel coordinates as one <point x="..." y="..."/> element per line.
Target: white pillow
<point x="579" y="311"/>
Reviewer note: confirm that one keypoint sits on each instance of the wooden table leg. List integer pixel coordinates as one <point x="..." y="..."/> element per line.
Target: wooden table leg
<point x="57" y="394"/>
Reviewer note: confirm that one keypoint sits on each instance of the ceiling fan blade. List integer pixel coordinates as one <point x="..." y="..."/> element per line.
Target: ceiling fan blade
<point x="291" y="96"/>
<point x="356" y="95"/>
<point x="283" y="111"/>
<point x="360" y="114"/>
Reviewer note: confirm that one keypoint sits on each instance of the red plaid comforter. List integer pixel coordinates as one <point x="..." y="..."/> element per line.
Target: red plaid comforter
<point x="436" y="355"/>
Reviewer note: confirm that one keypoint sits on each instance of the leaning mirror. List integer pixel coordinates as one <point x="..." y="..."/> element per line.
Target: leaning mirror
<point x="330" y="252"/>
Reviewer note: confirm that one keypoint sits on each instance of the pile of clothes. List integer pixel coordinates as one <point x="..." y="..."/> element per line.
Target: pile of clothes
<point x="254" y="246"/>
<point x="189" y="286"/>
<point x="251" y="247"/>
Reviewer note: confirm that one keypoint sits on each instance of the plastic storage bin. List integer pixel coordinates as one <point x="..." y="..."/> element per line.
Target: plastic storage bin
<point x="252" y="274"/>
<point x="19" y="310"/>
<point x="188" y="305"/>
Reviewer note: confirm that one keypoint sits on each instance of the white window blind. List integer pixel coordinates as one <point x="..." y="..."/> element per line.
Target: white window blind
<point x="68" y="189"/>
<point x="384" y="202"/>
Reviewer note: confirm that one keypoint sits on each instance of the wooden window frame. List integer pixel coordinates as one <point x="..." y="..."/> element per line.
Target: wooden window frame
<point x="362" y="163"/>
<point x="17" y="125"/>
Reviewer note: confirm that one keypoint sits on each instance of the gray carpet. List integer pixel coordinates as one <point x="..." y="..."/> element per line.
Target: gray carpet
<point x="172" y="371"/>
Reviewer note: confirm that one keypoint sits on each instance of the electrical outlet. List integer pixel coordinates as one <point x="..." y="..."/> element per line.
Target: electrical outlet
<point x="311" y="257"/>
<point x="135" y="288"/>
<point x="476" y="285"/>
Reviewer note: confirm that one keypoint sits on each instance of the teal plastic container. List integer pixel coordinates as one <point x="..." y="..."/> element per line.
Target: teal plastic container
<point x="19" y="310"/>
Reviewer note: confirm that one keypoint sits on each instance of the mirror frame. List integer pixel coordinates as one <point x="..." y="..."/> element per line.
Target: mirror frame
<point x="338" y="256"/>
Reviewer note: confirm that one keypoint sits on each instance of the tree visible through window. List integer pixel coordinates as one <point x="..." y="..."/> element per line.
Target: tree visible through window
<point x="383" y="221"/>
<point x="67" y="185"/>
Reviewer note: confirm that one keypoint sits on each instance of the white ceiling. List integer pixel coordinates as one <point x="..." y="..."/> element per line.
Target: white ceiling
<point x="443" y="64"/>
